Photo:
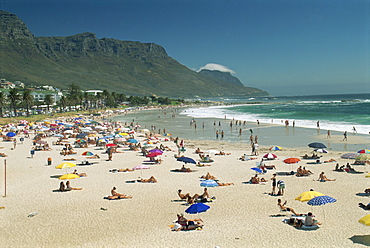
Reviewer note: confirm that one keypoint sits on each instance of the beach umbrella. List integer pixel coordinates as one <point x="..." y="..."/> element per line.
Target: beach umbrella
<point x="308" y="195"/>
<point x="41" y="142"/>
<point x="321" y="200"/>
<point x="65" y="165"/>
<point x="197" y="208"/>
<point x="68" y="176"/>
<point x="11" y="134"/>
<point x="209" y="183"/>
<point x="153" y="154"/>
<point x="58" y="135"/>
<point x="257" y="169"/>
<point x="363" y="157"/>
<point x="141" y="168"/>
<point x="110" y="145"/>
<point x="269" y="156"/>
<point x="321" y="150"/>
<point x="87" y="153"/>
<point x="316" y="145"/>
<point x="186" y="160"/>
<point x="132" y="141"/>
<point x="156" y="150"/>
<point x="167" y="134"/>
<point x="365" y="220"/>
<point x="350" y="155"/>
<point x="291" y="160"/>
<point x="364" y="151"/>
<point x="275" y="148"/>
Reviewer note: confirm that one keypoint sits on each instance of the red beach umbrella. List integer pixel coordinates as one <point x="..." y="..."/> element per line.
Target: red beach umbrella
<point x="153" y="154"/>
<point x="291" y="160"/>
<point x="110" y="145"/>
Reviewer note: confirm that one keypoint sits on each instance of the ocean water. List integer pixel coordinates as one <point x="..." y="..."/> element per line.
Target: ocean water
<point x="337" y="113"/>
<point x="333" y="112"/>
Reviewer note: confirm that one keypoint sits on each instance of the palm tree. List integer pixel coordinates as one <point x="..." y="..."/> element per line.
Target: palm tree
<point x="27" y="100"/>
<point x="2" y="102"/>
<point x="14" y="98"/>
<point x="49" y="100"/>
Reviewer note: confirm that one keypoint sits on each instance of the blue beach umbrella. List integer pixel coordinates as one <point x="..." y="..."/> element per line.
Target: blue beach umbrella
<point x="197" y="208"/>
<point x="316" y="145"/>
<point x="257" y="169"/>
<point x="132" y="141"/>
<point x="186" y="160"/>
<point x="11" y="134"/>
<point x="209" y="183"/>
<point x="321" y="200"/>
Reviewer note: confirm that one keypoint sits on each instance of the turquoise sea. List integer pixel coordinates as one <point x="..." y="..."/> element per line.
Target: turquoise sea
<point x="334" y="112"/>
<point x="337" y="113"/>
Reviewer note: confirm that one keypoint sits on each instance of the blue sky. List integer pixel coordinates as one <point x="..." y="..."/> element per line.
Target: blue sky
<point x="284" y="47"/>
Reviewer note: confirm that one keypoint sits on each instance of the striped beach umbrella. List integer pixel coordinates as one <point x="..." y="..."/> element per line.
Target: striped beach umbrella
<point x="275" y="148"/>
<point x="321" y="200"/>
<point x="209" y="183"/>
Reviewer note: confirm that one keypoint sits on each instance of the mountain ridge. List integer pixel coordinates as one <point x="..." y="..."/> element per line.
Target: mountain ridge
<point x="130" y="67"/>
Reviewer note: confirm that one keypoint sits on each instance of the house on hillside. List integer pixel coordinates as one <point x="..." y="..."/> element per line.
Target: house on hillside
<point x="39" y="95"/>
<point x="6" y="84"/>
<point x="94" y="92"/>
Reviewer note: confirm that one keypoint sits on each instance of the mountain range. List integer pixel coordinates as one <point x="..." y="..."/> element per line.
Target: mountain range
<point x="128" y="67"/>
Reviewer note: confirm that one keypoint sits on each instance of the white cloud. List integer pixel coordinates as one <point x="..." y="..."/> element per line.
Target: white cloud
<point x="216" y="67"/>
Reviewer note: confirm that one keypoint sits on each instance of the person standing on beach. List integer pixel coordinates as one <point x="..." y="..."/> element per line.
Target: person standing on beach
<point x="256" y="139"/>
<point x="251" y="139"/>
<point x="273" y="179"/>
<point x="328" y="136"/>
<point x="240" y="132"/>
<point x="345" y="136"/>
<point x="222" y="134"/>
<point x="354" y="129"/>
<point x="318" y="124"/>
<point x="216" y="134"/>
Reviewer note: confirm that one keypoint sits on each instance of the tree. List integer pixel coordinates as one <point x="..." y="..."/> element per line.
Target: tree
<point x="27" y="100"/>
<point x="49" y="100"/>
<point x="14" y="98"/>
<point x="2" y="102"/>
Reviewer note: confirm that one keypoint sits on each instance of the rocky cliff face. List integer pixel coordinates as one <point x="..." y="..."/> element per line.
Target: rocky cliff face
<point x="133" y="68"/>
<point x="224" y="76"/>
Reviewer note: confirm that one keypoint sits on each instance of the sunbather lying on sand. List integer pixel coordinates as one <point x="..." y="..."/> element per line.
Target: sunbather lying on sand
<point x="125" y="170"/>
<point x="182" y="196"/>
<point x="366" y="207"/>
<point x="69" y="159"/>
<point x="68" y="187"/>
<point x="79" y="174"/>
<point x="116" y="195"/>
<point x="284" y="208"/>
<point x="94" y="156"/>
<point x="187" y="224"/>
<point x="257" y="180"/>
<point x="322" y="177"/>
<point x="224" y="184"/>
<point x="222" y="153"/>
<point x="208" y="176"/>
<point x="150" y="180"/>
<point x="201" y="165"/>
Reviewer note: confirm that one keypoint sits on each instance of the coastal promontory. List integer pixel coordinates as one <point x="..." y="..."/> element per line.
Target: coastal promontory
<point x="129" y="67"/>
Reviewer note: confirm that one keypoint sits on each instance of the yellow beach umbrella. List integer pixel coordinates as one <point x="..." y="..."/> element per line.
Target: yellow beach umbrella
<point x="69" y="176"/>
<point x="65" y="165"/>
<point x="365" y="220"/>
<point x="367" y="175"/>
<point x="308" y="195"/>
<point x="123" y="134"/>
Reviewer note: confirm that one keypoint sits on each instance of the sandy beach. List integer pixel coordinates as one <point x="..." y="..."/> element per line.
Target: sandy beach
<point x="243" y="215"/>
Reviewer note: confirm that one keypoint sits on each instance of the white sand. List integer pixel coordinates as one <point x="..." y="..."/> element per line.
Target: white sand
<point x="239" y="217"/>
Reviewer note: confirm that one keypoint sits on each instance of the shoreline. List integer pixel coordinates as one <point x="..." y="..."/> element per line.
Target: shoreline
<point x="268" y="134"/>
